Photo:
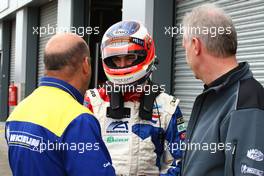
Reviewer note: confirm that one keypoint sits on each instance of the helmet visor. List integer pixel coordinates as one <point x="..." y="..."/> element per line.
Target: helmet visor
<point x="122" y="46"/>
<point x="123" y="61"/>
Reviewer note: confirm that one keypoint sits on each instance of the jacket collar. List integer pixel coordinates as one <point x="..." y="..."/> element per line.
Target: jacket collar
<point x="239" y="73"/>
<point x="53" y="82"/>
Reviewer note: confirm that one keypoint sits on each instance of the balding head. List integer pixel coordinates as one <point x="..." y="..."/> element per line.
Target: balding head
<point x="65" y="50"/>
<point x="67" y="57"/>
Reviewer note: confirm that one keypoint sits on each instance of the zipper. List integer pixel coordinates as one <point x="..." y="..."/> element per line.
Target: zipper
<point x="191" y="130"/>
<point x="233" y="157"/>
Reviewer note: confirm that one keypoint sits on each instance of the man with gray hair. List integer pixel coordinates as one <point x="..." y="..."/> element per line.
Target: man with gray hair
<point x="228" y="116"/>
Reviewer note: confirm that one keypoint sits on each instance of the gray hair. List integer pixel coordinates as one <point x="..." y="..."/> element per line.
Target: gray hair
<point x="213" y="27"/>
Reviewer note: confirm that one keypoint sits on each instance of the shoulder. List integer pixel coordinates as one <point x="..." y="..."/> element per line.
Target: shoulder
<point x="168" y="102"/>
<point x="74" y="112"/>
<point x="99" y="94"/>
<point x="82" y="122"/>
<point x="250" y="95"/>
<point x="53" y="110"/>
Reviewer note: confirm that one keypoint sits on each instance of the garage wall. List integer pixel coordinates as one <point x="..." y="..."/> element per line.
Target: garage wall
<point x="48" y="17"/>
<point x="12" y="53"/>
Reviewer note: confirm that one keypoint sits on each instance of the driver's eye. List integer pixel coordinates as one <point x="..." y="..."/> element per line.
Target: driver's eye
<point x="116" y="59"/>
<point x="123" y="61"/>
<point x="131" y="58"/>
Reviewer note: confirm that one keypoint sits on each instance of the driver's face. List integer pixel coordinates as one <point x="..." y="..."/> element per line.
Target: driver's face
<point x="124" y="60"/>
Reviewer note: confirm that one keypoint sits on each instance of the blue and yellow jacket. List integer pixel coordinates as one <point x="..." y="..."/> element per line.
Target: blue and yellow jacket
<point x="51" y="133"/>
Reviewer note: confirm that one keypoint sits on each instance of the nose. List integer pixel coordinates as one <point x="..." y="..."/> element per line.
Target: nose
<point x="123" y="62"/>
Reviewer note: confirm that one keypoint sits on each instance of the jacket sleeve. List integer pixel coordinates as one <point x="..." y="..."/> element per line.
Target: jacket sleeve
<point x="88" y="154"/>
<point x="174" y="135"/>
<point x="245" y="138"/>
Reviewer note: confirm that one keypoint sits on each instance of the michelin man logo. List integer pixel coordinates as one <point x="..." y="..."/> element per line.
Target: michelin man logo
<point x="255" y="154"/>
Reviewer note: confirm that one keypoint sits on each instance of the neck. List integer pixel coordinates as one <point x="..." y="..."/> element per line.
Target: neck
<point x="70" y="79"/>
<point x="215" y="70"/>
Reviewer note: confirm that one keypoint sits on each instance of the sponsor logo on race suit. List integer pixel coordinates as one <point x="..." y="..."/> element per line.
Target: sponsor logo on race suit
<point x="116" y="139"/>
<point x="118" y="127"/>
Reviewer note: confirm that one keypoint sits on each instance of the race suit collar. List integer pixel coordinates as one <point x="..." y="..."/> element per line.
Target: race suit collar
<point x="128" y="96"/>
<point x="54" y="82"/>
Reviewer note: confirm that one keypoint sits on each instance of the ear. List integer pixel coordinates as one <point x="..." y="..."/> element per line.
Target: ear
<point x="86" y="65"/>
<point x="196" y="45"/>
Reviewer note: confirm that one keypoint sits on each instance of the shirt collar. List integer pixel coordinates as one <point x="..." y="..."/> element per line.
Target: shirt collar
<point x="221" y="79"/>
<point x="240" y="72"/>
<point x="54" y="82"/>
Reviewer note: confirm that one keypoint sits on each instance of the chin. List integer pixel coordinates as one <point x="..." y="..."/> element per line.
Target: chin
<point x="197" y="76"/>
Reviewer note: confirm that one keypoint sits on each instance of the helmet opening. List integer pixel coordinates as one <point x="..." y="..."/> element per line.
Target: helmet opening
<point x="131" y="59"/>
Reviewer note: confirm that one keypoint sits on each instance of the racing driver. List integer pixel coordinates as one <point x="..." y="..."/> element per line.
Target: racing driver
<point x="141" y="125"/>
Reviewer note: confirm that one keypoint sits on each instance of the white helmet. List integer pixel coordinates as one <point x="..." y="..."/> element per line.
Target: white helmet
<point x="126" y="38"/>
